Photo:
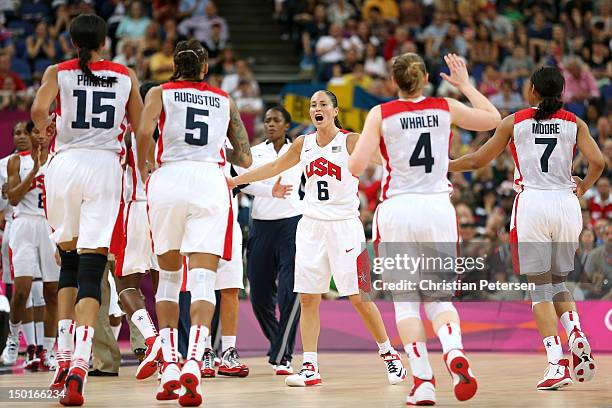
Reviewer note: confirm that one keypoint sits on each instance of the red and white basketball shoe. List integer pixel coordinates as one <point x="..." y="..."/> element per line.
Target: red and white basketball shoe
<point x="284" y="368"/>
<point x="556" y="376"/>
<point x="307" y="376"/>
<point x="148" y="366"/>
<point x="231" y="364"/>
<point x="396" y="373"/>
<point x="59" y="379"/>
<point x="191" y="394"/>
<point x="75" y="384"/>
<point x="208" y="364"/>
<point x="583" y="366"/>
<point x="464" y="382"/>
<point x="423" y="392"/>
<point x="32" y="361"/>
<point x="169" y="382"/>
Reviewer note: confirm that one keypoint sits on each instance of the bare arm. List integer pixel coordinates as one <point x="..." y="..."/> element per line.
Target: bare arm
<point x="16" y="188"/>
<point x="368" y="143"/>
<point x="274" y="168"/>
<point x="148" y="122"/>
<point x="482" y="115"/>
<point x="589" y="149"/>
<point x="240" y="155"/>
<point x="44" y="98"/>
<point x="490" y="150"/>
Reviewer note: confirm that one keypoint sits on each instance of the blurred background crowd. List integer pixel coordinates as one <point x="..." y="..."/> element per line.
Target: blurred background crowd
<point x="354" y="42"/>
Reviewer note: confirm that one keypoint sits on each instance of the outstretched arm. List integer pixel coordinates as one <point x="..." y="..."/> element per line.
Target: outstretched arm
<point x="589" y="149"/>
<point x="490" y="150"/>
<point x="368" y="143"/>
<point x="240" y="155"/>
<point x="274" y="168"/>
<point x="44" y="98"/>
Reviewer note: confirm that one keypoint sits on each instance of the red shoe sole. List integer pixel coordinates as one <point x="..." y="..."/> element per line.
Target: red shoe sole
<point x="147" y="370"/>
<point x="313" y="382"/>
<point x="422" y="403"/>
<point x="240" y="372"/>
<point x="283" y="372"/>
<point x="169" y="391"/>
<point x="467" y="386"/>
<point x="74" y="392"/>
<point x="61" y="380"/>
<point x="208" y="373"/>
<point x="191" y="398"/>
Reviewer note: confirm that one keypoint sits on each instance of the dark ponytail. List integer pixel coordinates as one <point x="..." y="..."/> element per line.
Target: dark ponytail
<point x="88" y="32"/>
<point x="189" y="59"/>
<point x="334" y="101"/>
<point x="548" y="83"/>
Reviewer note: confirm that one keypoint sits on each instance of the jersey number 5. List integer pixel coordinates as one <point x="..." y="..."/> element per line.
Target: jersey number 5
<point x="192" y="124"/>
<point x="96" y="109"/>
<point x="550" y="143"/>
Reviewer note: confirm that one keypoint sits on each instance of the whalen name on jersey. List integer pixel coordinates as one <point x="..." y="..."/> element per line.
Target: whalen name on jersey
<point x="546" y="128"/>
<point x="416" y="122"/>
<point x="84" y="81"/>
<point x="189" y="97"/>
<point x="322" y="167"/>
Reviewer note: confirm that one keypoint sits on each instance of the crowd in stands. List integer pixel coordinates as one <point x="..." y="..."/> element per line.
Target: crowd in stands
<point x="354" y="42"/>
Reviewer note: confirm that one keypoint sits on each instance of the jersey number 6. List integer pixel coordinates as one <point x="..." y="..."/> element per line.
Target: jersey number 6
<point x="192" y="124"/>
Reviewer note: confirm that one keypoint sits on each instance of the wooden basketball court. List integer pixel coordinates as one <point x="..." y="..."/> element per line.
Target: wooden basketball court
<point x="349" y="380"/>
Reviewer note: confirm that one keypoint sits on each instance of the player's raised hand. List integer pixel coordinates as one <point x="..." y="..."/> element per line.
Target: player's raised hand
<point x="281" y="190"/>
<point x="458" y="71"/>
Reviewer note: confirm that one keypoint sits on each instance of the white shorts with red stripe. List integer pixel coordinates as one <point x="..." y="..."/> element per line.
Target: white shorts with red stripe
<point x="326" y="249"/>
<point x="544" y="231"/>
<point x="230" y="273"/>
<point x="32" y="253"/>
<point x="113" y="306"/>
<point x="6" y="264"/>
<point x="190" y="209"/>
<point x="137" y="256"/>
<point x="83" y="193"/>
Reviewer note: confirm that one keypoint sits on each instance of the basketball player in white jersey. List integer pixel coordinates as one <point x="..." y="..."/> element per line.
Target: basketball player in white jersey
<point x="413" y="134"/>
<point x="21" y="140"/>
<point x="546" y="217"/>
<point x="83" y="181"/>
<point x="329" y="236"/>
<point x="32" y="251"/>
<point x="189" y="204"/>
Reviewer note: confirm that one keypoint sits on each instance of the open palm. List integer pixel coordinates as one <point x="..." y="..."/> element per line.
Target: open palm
<point x="458" y="71"/>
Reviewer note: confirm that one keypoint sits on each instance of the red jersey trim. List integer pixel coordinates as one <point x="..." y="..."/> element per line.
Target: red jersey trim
<point x="398" y="106"/>
<point x="385" y="155"/>
<point x="200" y="86"/>
<point x="529" y="113"/>
<point x="26" y="153"/>
<point x="102" y="65"/>
<point x="160" y="142"/>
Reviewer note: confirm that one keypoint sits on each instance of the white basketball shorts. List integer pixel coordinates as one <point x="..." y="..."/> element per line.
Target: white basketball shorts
<point x="32" y="251"/>
<point x="138" y="256"/>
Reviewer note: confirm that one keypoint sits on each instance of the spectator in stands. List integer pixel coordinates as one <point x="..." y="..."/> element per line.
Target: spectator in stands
<point x="388" y="9"/>
<point x="165" y="9"/>
<point x="395" y="43"/>
<point x="600" y="63"/>
<point x="134" y="24"/>
<point x="498" y="24"/>
<point x="243" y="73"/>
<point x="580" y="84"/>
<point x="358" y="77"/>
<point x="214" y="45"/>
<point x="129" y="55"/>
<point x="62" y="20"/>
<point x="6" y="75"/>
<point x="599" y="269"/>
<point x="340" y="11"/>
<point x="329" y="51"/>
<point x="161" y="64"/>
<point x="507" y="100"/>
<point x="540" y="28"/>
<point x="151" y="42"/>
<point x="483" y="50"/>
<point x="6" y="41"/>
<point x="519" y="65"/>
<point x="40" y="45"/>
<point x="375" y="64"/>
<point x="200" y="26"/>
<point x="452" y="42"/>
<point x="362" y="38"/>
<point x="247" y="99"/>
<point x="411" y="15"/>
<point x="600" y="205"/>
<point x="170" y="31"/>
<point x="376" y="22"/>
<point x="434" y="32"/>
<point x="188" y="8"/>
<point x="491" y="81"/>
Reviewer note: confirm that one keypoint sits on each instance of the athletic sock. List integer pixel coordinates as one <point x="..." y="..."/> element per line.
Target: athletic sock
<point x="169" y="338"/>
<point x="384" y="347"/>
<point x="116" y="330"/>
<point x="197" y="337"/>
<point x="208" y="343"/>
<point x="48" y="343"/>
<point x="143" y="322"/>
<point x="65" y="340"/>
<point x="14" y="329"/>
<point x="570" y="321"/>
<point x="554" y="352"/>
<point x="418" y="359"/>
<point x="39" y="328"/>
<point x="450" y="337"/>
<point x="227" y="342"/>
<point x="311" y="357"/>
<point x="82" y="347"/>
<point x="29" y="333"/>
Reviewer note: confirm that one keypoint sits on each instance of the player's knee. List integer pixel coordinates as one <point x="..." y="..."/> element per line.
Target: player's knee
<point x="201" y="284"/>
<point x="433" y="309"/>
<point x="20" y="295"/>
<point x="357" y="301"/>
<point x="69" y="270"/>
<point x="91" y="268"/>
<point x="230" y="293"/>
<point x="50" y="295"/>
<point x="38" y="299"/>
<point x="168" y="286"/>
<point x="406" y="310"/>
<point x="541" y="293"/>
<point x="309" y="300"/>
<point x="558" y="288"/>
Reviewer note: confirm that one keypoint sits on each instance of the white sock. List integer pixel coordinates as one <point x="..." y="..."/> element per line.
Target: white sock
<point x="169" y="337"/>
<point x="385" y="347"/>
<point x="450" y="337"/>
<point x="570" y="321"/>
<point x="39" y="328"/>
<point x="116" y="330"/>
<point x="82" y="348"/>
<point x="419" y="362"/>
<point x="208" y="343"/>
<point x="142" y="320"/>
<point x="554" y="352"/>
<point x="65" y="340"/>
<point x="197" y="337"/>
<point x="29" y="333"/>
<point x="48" y="343"/>
<point x="227" y="342"/>
<point x="14" y="329"/>
<point x="311" y="357"/>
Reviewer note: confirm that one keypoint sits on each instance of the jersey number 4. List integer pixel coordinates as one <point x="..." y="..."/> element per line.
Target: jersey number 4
<point x="196" y="139"/>
<point x="550" y="143"/>
<point x="421" y="156"/>
<point x="97" y="108"/>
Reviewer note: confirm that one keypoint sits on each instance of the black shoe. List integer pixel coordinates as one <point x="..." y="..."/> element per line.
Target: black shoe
<point x="99" y="373"/>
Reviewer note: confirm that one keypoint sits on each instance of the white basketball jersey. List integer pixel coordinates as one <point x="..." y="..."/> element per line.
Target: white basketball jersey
<point x="134" y="188"/>
<point x="415" y="146"/>
<point x="543" y="151"/>
<point x="8" y="210"/>
<point x="331" y="189"/>
<point x="89" y="116"/>
<point x="33" y="202"/>
<point x="193" y="123"/>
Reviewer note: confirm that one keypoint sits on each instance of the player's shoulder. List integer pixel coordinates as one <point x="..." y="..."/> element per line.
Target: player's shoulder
<point x="396" y="106"/>
<point x="200" y="86"/>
